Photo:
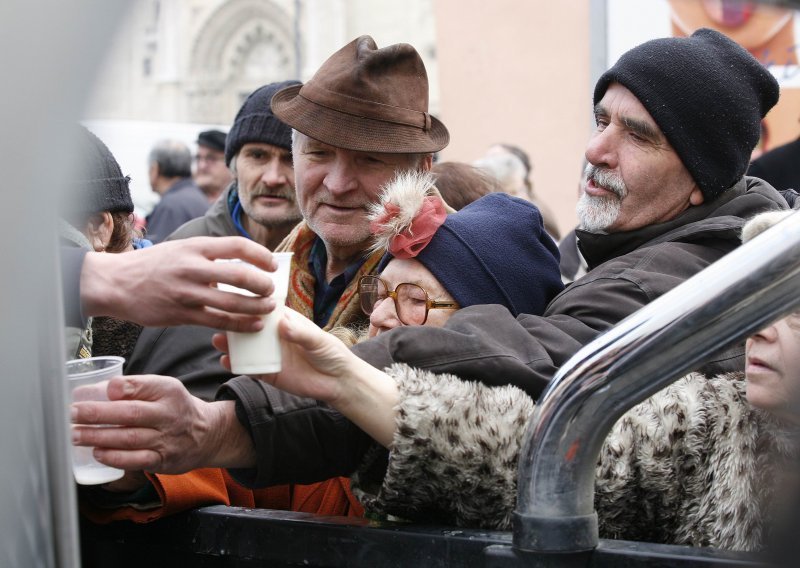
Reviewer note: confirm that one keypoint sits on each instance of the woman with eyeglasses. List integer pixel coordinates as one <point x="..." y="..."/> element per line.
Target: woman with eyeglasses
<point x="493" y="251"/>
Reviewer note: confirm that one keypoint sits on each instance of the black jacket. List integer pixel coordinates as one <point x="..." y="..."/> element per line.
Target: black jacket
<point x="182" y="202"/>
<point x="778" y="167"/>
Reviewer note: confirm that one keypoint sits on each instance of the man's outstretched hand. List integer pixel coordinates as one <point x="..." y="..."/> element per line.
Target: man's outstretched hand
<point x="161" y="428"/>
<point x="172" y="283"/>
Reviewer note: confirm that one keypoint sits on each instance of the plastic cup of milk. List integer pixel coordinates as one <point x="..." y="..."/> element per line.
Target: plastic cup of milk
<point x="88" y="380"/>
<point x="259" y="352"/>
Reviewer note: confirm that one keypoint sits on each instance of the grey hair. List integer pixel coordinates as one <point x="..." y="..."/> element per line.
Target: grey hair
<point x="506" y="168"/>
<point x="173" y="158"/>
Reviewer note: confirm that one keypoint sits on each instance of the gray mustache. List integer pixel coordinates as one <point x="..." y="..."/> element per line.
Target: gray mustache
<point x="285" y="194"/>
<point x="607" y="180"/>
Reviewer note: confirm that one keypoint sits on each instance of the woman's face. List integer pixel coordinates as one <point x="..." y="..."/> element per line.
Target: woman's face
<point x="384" y="315"/>
<point x="773" y="367"/>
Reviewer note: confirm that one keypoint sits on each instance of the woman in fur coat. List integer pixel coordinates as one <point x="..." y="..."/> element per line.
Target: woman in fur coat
<point x="697" y="464"/>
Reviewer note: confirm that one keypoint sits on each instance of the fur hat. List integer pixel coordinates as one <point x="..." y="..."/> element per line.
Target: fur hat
<point x="366" y="99"/>
<point x="493" y="251"/>
<point x="255" y="122"/>
<point x="99" y="185"/>
<point x="707" y="94"/>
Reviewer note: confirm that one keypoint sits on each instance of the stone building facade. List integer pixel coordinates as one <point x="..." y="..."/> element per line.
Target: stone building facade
<point x="196" y="61"/>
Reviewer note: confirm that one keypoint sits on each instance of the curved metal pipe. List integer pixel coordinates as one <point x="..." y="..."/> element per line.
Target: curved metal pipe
<point x="722" y="305"/>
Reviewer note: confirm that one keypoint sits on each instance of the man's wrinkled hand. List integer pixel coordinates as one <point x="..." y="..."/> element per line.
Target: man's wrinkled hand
<point x="161" y="428"/>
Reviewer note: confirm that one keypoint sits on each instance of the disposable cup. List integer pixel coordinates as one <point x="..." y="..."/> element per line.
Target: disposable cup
<point x="259" y="352"/>
<point x="88" y="379"/>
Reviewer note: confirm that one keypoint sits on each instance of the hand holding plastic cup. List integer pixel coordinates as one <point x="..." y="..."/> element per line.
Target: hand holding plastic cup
<point x="259" y="352"/>
<point x="88" y="380"/>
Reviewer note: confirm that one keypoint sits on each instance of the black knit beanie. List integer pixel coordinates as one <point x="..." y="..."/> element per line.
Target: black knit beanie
<point x="255" y="122"/>
<point x="99" y="185"/>
<point x="708" y="96"/>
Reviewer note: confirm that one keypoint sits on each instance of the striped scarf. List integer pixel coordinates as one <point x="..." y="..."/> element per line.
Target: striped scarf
<point x="301" y="285"/>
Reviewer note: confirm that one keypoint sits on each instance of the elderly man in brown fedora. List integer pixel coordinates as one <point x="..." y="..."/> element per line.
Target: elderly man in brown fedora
<point x="362" y="118"/>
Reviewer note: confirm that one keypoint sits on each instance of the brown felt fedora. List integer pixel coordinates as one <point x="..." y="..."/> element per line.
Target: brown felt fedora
<point x="366" y="99"/>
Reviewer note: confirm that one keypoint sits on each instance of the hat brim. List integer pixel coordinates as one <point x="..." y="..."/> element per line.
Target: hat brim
<point x="352" y="132"/>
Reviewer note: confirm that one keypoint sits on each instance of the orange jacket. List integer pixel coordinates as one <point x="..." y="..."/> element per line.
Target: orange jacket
<point x="214" y="486"/>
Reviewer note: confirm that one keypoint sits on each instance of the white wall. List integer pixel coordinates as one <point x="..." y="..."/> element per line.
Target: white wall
<point x="131" y="141"/>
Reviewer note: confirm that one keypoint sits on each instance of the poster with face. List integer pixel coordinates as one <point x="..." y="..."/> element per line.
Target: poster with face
<point x="769" y="32"/>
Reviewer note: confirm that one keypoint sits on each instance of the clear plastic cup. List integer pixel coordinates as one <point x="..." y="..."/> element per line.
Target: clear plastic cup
<point x="259" y="352"/>
<point x="88" y="380"/>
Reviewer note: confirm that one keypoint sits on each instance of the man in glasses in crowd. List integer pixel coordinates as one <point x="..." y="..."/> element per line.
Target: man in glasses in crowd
<point x="211" y="173"/>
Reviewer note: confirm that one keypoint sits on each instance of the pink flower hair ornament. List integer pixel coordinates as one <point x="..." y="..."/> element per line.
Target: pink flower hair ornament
<point x="407" y="215"/>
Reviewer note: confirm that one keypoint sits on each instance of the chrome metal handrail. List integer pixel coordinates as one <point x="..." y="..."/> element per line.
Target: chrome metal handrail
<point x="731" y="299"/>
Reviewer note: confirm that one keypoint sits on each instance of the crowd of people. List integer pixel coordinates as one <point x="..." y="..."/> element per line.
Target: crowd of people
<point x="426" y="310"/>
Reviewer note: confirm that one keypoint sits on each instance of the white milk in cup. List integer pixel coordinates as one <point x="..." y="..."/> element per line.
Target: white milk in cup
<point x="259" y="352"/>
<point x="88" y="379"/>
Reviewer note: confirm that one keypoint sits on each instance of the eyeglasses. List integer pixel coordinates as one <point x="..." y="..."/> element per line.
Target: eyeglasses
<point x="411" y="302"/>
<point x="209" y="159"/>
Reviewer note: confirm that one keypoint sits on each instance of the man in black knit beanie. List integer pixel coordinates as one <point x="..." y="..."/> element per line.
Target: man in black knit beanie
<point x="260" y="202"/>
<point x="693" y="106"/>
